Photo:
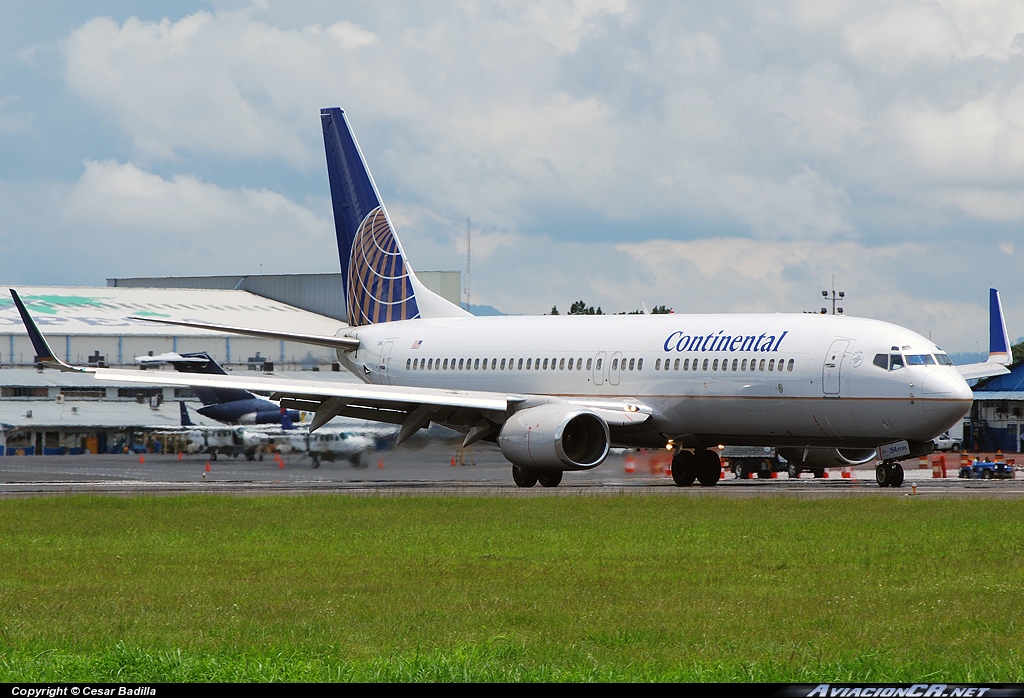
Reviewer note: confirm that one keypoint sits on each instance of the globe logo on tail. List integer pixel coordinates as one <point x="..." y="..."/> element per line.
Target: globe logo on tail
<point x="379" y="284"/>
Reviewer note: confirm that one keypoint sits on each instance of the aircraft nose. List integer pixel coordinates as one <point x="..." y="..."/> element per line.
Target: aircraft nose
<point x="946" y="384"/>
<point x="952" y="396"/>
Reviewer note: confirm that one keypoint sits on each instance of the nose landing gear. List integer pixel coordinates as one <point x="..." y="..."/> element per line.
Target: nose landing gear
<point x="889" y="474"/>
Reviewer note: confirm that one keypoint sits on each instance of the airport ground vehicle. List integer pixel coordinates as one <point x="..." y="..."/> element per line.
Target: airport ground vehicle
<point x="987" y="470"/>
<point x="945" y="442"/>
<point x="762" y="462"/>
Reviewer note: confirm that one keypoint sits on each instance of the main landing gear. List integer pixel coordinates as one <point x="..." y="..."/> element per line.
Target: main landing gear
<point x="889" y="474"/>
<point x="703" y="466"/>
<point x="526" y="477"/>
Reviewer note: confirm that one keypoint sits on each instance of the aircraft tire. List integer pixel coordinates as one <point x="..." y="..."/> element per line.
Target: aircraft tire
<point x="684" y="468"/>
<point x="551" y="478"/>
<point x="897" y="475"/>
<point x="883" y="475"/>
<point x="523" y="477"/>
<point x="819" y="472"/>
<point x="740" y="472"/>
<point x="709" y="468"/>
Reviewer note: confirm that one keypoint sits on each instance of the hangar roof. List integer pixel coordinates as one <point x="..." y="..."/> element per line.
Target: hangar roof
<point x="105" y="310"/>
<point x="97" y="414"/>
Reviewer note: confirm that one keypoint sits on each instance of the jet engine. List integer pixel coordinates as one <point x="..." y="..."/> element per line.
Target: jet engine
<point x="827" y="457"/>
<point x="555" y="437"/>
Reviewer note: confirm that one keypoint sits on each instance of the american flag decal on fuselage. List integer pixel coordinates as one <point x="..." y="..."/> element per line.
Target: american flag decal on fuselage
<point x="379" y="285"/>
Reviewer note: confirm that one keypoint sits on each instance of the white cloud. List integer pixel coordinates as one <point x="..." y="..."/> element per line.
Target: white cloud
<point x="197" y="225"/>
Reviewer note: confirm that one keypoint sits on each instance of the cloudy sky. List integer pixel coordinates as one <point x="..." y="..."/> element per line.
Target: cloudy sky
<point x="712" y="157"/>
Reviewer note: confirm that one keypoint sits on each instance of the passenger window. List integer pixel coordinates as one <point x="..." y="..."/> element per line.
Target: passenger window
<point x="771" y="365"/>
<point x="735" y="363"/>
<point x="714" y="366"/>
<point x="461" y="364"/>
<point x="599" y="362"/>
<point x="503" y="364"/>
<point x="494" y="364"/>
<point x="408" y="364"/>
<point x="545" y="364"/>
<point x="520" y="365"/>
<point x="579" y="363"/>
<point x="789" y="366"/>
<point x="675" y="365"/>
<point x="528" y="363"/>
<point x="705" y="365"/>
<point x="639" y="364"/>
<point x="590" y="363"/>
<point x="760" y="366"/>
<point x="561" y="365"/>
<point x="657" y="365"/>
<point x="570" y="364"/>
<point x="743" y="366"/>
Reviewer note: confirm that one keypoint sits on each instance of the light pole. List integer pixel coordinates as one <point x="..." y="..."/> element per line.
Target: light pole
<point x="834" y="297"/>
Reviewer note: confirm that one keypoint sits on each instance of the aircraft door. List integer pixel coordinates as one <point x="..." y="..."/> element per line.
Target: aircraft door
<point x="832" y="370"/>
<point x="600" y="364"/>
<point x="385" y="356"/>
<point x="613" y="368"/>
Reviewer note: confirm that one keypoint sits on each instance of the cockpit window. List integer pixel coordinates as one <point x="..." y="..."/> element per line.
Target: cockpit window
<point x="882" y="361"/>
<point x="920" y="360"/>
<point x="943" y="360"/>
<point x="895" y="362"/>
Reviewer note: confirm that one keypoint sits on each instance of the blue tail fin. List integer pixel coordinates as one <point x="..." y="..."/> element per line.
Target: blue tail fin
<point x="186" y="421"/>
<point x="999" y="350"/>
<point x="380" y="286"/>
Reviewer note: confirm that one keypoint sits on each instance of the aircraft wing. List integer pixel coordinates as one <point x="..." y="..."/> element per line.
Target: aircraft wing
<point x="982" y="370"/>
<point x="480" y="413"/>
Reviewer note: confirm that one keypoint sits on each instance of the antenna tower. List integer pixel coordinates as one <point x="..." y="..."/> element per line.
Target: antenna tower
<point x="467" y="262"/>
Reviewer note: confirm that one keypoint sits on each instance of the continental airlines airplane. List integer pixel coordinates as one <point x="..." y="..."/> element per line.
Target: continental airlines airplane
<point x="556" y="392"/>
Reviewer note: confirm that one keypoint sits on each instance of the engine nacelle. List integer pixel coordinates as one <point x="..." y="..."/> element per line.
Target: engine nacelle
<point x="555" y="437"/>
<point x="827" y="457"/>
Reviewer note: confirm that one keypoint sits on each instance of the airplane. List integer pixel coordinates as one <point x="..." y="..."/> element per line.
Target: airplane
<point x="555" y="393"/>
<point x="349" y="442"/>
<point x="229" y="405"/>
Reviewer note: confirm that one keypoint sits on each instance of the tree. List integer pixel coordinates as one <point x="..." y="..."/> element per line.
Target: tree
<point x="1017" y="352"/>
<point x="581" y="308"/>
<point x="554" y="310"/>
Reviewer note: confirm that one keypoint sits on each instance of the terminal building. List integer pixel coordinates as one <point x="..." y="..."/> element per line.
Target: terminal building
<point x="997" y="416"/>
<point x="53" y="412"/>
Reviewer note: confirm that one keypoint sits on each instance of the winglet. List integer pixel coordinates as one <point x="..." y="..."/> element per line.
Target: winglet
<point x="999" y="350"/>
<point x="44" y="355"/>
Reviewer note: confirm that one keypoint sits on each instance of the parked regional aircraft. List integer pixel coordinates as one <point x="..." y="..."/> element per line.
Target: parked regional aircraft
<point x="230" y="405"/>
<point x="334" y="442"/>
<point x="556" y="392"/>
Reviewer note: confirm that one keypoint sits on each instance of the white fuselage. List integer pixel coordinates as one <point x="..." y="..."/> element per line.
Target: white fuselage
<point x="732" y="379"/>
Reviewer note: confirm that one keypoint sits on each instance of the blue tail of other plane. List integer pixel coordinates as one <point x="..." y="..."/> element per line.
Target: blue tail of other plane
<point x="230" y="404"/>
<point x="380" y="286"/>
<point x="999" y="350"/>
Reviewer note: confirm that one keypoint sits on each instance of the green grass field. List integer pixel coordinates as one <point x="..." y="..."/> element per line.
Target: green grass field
<point x="624" y="588"/>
